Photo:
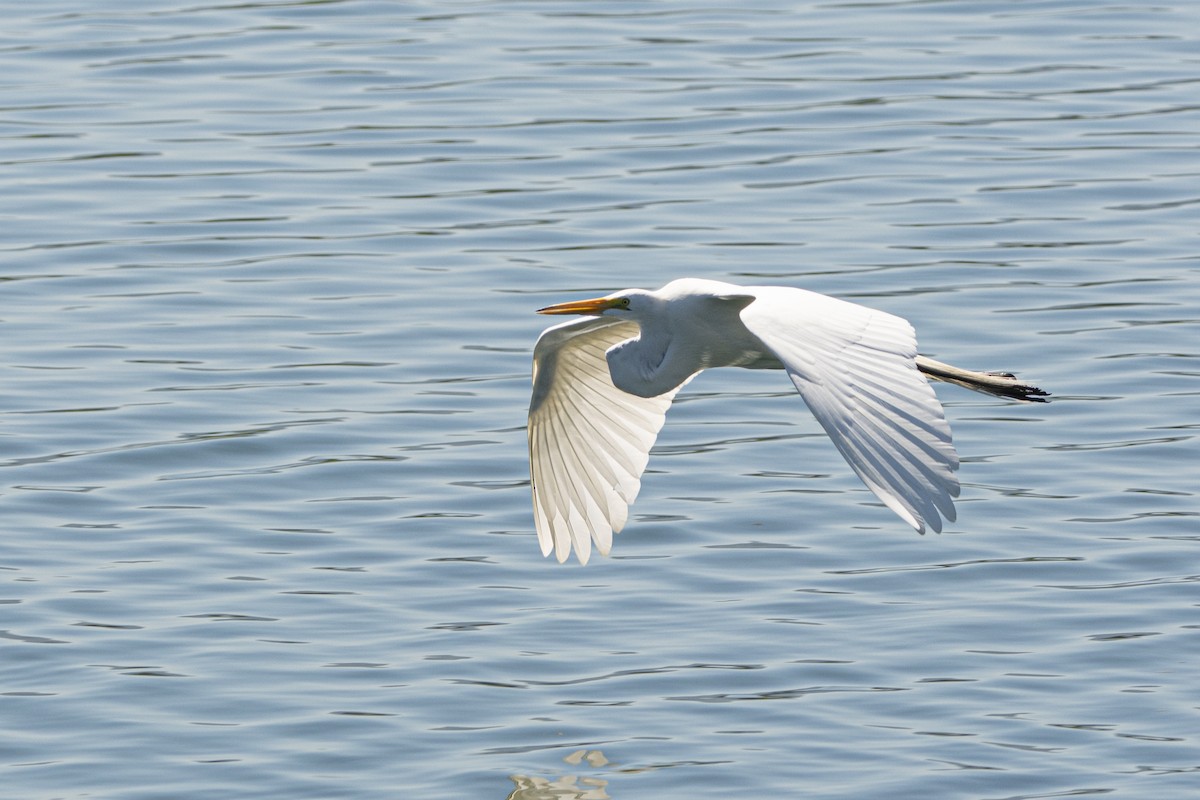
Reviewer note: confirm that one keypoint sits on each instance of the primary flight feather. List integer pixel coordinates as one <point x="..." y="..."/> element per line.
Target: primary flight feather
<point x="602" y="385"/>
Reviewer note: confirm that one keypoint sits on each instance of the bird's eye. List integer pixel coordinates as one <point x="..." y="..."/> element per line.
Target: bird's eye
<point x="624" y="302"/>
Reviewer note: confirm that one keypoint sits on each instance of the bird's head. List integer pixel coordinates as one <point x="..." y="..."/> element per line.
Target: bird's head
<point x="626" y="303"/>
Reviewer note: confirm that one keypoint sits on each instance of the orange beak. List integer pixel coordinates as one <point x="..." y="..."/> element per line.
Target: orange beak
<point x="594" y="306"/>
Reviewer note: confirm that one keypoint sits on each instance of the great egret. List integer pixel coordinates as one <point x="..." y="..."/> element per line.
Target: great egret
<point x="602" y="386"/>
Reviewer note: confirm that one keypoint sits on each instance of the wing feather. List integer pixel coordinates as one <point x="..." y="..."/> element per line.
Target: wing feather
<point x="589" y="442"/>
<point x="856" y="369"/>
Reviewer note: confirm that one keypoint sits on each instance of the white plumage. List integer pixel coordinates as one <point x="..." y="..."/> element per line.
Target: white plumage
<point x="602" y="386"/>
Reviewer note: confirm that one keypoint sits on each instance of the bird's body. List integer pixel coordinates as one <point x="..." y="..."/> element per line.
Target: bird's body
<point x="602" y="386"/>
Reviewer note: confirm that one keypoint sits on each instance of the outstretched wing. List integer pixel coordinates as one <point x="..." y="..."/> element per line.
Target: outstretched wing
<point x="588" y="440"/>
<point x="856" y="369"/>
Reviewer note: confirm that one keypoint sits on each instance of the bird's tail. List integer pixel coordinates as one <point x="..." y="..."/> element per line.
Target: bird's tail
<point x="1000" y="384"/>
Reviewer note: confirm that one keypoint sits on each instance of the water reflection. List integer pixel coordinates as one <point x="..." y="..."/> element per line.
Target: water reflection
<point x="567" y="787"/>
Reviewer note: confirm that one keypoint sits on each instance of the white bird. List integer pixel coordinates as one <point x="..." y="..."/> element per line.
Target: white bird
<point x="602" y="386"/>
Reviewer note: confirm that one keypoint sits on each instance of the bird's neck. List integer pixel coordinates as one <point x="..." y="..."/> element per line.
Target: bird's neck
<point x="671" y="348"/>
<point x="649" y="366"/>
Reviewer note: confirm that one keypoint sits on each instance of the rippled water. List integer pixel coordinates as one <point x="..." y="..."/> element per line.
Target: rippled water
<point x="268" y="272"/>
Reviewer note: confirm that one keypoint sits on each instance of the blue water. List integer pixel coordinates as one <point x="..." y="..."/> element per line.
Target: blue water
<point x="268" y="273"/>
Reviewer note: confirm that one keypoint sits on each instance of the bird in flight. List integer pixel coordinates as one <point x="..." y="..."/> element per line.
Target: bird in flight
<point x="602" y="385"/>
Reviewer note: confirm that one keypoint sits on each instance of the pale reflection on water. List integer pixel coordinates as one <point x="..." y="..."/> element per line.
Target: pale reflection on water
<point x="567" y="787"/>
